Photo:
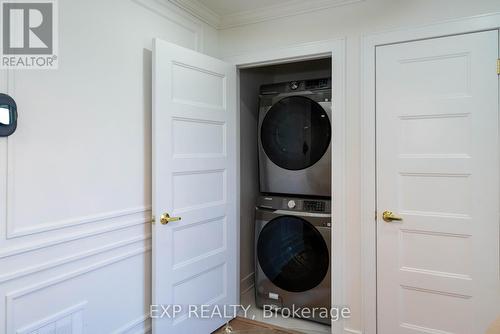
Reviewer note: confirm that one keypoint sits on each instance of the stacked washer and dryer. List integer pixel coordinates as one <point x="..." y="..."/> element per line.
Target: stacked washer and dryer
<point x="293" y="214"/>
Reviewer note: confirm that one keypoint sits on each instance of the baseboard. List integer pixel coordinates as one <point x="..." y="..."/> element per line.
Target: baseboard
<point x="146" y="330"/>
<point x="247" y="283"/>
<point x="141" y="325"/>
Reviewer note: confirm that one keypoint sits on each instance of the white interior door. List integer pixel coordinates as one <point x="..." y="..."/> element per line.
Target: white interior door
<point x="194" y="177"/>
<point x="438" y="169"/>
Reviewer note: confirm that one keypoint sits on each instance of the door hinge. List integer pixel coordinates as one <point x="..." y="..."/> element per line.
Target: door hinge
<point x="498" y="66"/>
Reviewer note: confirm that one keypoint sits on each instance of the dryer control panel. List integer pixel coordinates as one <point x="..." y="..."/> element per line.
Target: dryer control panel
<point x="294" y="204"/>
<point x="296" y="86"/>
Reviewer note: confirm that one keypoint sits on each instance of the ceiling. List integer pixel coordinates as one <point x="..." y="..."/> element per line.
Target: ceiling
<point x="223" y="14"/>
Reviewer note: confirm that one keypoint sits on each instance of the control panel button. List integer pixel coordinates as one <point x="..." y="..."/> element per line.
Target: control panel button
<point x="294" y="85"/>
<point x="291" y="204"/>
<point x="316" y="206"/>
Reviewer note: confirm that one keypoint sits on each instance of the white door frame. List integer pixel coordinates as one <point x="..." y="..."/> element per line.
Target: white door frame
<point x="334" y="48"/>
<point x="368" y="176"/>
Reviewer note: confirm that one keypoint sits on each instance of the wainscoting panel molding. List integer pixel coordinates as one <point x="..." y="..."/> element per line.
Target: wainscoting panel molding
<point x="13" y="232"/>
<point x="13" y="296"/>
<point x="6" y="251"/>
<point x="69" y="321"/>
<point x="140" y="325"/>
<point x="71" y="258"/>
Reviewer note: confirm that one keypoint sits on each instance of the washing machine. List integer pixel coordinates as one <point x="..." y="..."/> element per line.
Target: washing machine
<point x="292" y="255"/>
<point x="294" y="138"/>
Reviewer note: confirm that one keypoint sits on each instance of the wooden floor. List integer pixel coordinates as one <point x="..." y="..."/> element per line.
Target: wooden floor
<point x="495" y="327"/>
<point x="253" y="327"/>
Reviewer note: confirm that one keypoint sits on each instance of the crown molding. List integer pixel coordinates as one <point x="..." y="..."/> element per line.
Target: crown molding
<point x="267" y="13"/>
<point x="199" y="10"/>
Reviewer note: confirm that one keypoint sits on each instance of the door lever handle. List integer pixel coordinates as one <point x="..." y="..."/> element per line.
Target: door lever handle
<point x="389" y="216"/>
<point x="165" y="219"/>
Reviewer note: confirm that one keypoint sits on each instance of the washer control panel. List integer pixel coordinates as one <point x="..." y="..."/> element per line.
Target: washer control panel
<point x="314" y="206"/>
<point x="294" y="204"/>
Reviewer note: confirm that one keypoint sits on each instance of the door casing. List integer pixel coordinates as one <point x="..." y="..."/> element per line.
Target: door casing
<point x="368" y="154"/>
<point x="336" y="50"/>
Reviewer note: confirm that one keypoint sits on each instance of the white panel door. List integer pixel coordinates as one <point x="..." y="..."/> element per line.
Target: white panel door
<point x="437" y="168"/>
<point x="194" y="177"/>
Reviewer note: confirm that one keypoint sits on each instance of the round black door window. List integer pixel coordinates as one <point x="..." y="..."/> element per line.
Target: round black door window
<point x="295" y="132"/>
<point x="292" y="254"/>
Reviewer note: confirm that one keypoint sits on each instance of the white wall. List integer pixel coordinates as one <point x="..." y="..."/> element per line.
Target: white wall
<point x="350" y="21"/>
<point x="75" y="178"/>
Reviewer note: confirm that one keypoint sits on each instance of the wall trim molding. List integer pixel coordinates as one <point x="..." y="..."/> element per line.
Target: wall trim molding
<point x="80" y="307"/>
<point x="256" y="15"/>
<point x="11" y="297"/>
<point x="133" y="324"/>
<point x="72" y="258"/>
<point x="13" y="232"/>
<point x="368" y="157"/>
<point x="198" y="10"/>
<point x="120" y="225"/>
<point x="284" y="53"/>
<point x="269" y="13"/>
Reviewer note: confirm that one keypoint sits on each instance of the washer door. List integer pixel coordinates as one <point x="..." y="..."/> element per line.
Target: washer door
<point x="292" y="254"/>
<point x="295" y="132"/>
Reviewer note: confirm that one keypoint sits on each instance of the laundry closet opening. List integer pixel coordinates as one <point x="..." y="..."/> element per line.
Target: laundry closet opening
<point x="285" y="191"/>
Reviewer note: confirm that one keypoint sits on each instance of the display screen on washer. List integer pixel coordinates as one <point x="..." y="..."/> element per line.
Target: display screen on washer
<point x="295" y="132"/>
<point x="292" y="254"/>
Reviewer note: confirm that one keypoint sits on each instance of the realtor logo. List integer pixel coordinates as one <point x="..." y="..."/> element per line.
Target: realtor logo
<point x="29" y="34"/>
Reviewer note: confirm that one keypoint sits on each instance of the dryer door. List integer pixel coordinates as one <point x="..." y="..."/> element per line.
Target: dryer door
<point x="295" y="133"/>
<point x="292" y="254"/>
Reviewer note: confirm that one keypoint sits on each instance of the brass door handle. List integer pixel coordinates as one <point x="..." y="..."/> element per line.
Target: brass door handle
<point x="389" y="216"/>
<point x="165" y="219"/>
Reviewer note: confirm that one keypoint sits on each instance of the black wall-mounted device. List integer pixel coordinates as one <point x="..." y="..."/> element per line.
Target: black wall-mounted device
<point x="8" y="115"/>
